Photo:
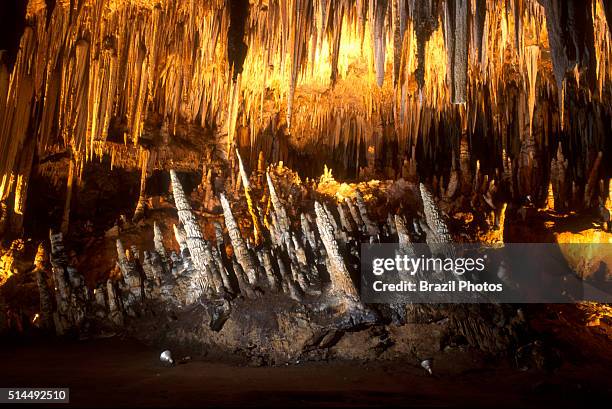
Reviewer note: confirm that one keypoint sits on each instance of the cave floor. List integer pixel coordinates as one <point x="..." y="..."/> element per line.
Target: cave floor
<point x="124" y="373"/>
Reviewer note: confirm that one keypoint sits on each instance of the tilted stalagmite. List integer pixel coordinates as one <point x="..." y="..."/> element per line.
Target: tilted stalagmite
<point x="251" y="206"/>
<point x="434" y="219"/>
<point x="307" y="231"/>
<point x="402" y="232"/>
<point x="279" y="209"/>
<point x="243" y="281"/>
<point x="355" y="214"/>
<point x="243" y="256"/>
<point x="195" y="239"/>
<point x="288" y="284"/>
<point x="340" y="278"/>
<point x="371" y="227"/>
<point x="344" y="220"/>
<point x="214" y="273"/>
<point x="334" y="224"/>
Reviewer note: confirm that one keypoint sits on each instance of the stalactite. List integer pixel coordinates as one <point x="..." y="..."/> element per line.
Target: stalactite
<point x="90" y="69"/>
<point x="532" y="54"/>
<point x="379" y="40"/>
<point x="397" y="40"/>
<point x="456" y="41"/>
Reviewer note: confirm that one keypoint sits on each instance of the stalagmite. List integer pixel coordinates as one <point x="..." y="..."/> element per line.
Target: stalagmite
<point x="115" y="313"/>
<point x="279" y="209"/>
<point x="402" y="231"/>
<point x="344" y="220"/>
<point x="46" y="300"/>
<point x="70" y="293"/>
<point x="158" y="240"/>
<point x="340" y="277"/>
<point x="243" y="281"/>
<point x="62" y="292"/>
<point x="266" y="261"/>
<point x="307" y="231"/>
<point x="130" y="272"/>
<point x="434" y="219"/>
<point x="372" y="228"/>
<point x="194" y="238"/>
<point x="491" y="105"/>
<point x="355" y="213"/>
<point x="243" y="256"/>
<point x="558" y="179"/>
<point x="251" y="206"/>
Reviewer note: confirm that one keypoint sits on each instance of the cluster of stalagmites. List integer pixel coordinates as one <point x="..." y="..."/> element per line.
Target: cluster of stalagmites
<point x="309" y="256"/>
<point x="310" y="260"/>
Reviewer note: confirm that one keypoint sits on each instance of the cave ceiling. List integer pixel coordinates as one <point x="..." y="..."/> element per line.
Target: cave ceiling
<point x="355" y="82"/>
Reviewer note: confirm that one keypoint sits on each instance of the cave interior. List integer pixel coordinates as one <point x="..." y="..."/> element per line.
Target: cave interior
<point x="200" y="175"/>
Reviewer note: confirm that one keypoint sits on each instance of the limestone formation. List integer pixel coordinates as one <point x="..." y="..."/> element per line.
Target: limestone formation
<point x="243" y="256"/>
<point x="340" y="277"/>
<point x="194" y="238"/>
